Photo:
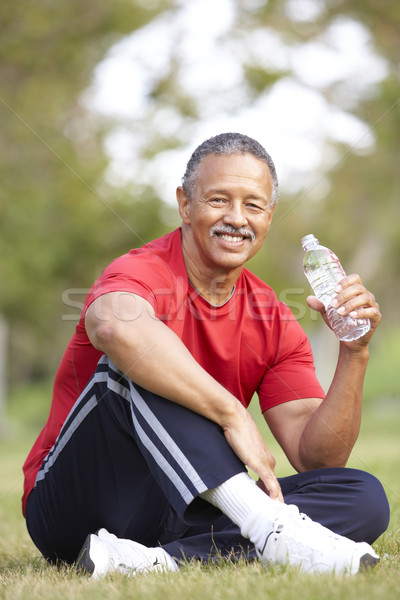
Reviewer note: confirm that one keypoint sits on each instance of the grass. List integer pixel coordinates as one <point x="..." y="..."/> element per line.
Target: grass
<point x="25" y="575"/>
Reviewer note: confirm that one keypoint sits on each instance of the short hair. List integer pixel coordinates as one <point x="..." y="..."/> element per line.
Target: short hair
<point x="228" y="144"/>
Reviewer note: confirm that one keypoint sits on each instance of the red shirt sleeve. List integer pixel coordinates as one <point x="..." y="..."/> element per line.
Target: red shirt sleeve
<point x="137" y="273"/>
<point x="292" y="375"/>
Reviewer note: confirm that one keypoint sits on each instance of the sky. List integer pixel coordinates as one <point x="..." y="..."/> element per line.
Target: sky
<point x="293" y="120"/>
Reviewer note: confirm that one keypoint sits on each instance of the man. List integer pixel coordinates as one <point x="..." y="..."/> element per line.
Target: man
<point x="143" y="458"/>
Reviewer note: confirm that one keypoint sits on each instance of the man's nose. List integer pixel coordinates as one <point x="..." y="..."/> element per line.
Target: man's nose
<point x="235" y="215"/>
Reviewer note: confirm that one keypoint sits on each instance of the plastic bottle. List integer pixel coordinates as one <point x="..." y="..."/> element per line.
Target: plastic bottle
<point x="323" y="270"/>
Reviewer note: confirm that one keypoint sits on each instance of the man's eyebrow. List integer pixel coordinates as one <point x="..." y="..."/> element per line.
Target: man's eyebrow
<point x="226" y="192"/>
<point x="215" y="191"/>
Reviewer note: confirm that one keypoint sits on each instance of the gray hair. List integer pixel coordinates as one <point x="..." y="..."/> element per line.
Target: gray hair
<point x="228" y="144"/>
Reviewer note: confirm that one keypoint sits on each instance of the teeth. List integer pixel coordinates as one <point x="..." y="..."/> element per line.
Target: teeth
<point x="232" y="238"/>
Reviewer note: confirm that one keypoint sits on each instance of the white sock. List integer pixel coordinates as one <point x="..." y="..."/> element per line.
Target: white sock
<point x="246" y="505"/>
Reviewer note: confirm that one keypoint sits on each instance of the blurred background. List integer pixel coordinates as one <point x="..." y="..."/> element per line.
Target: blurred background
<point x="101" y="104"/>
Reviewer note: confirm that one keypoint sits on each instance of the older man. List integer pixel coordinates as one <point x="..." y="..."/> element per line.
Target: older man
<point x="143" y="458"/>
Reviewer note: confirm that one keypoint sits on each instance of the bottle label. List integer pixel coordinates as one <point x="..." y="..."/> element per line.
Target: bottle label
<point x="335" y="259"/>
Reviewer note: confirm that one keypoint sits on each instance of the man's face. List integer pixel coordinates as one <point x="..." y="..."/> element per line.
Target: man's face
<point x="228" y="217"/>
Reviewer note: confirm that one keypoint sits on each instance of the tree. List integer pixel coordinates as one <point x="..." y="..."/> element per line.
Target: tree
<point x="66" y="208"/>
<point x="60" y="224"/>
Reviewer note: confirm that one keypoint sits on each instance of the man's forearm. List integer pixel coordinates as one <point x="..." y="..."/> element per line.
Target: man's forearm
<point x="332" y="430"/>
<point x="153" y="356"/>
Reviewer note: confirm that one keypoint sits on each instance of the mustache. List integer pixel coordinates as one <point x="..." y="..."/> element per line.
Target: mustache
<point x="230" y="230"/>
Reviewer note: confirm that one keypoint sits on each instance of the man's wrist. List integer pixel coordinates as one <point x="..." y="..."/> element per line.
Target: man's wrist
<point x="230" y="415"/>
<point x="359" y="353"/>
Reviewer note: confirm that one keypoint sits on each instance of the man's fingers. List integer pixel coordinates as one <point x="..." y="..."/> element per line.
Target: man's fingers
<point x="270" y="485"/>
<point x="315" y="304"/>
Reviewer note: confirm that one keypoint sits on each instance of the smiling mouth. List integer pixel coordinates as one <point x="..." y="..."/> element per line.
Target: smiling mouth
<point x="234" y="239"/>
<point x="234" y="236"/>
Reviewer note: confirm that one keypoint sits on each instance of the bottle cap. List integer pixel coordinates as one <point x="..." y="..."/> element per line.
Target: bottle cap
<point x="305" y="241"/>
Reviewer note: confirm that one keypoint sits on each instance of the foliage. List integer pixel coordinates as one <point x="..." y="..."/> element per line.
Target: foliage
<point x="60" y="224"/>
<point x="62" y="221"/>
<point x="357" y="216"/>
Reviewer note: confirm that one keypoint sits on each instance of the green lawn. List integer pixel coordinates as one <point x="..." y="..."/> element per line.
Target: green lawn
<point x="25" y="575"/>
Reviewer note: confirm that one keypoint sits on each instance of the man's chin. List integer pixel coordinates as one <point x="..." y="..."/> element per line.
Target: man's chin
<point x="231" y="261"/>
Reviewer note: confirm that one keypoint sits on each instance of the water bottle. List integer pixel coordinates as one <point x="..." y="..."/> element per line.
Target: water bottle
<point x="323" y="270"/>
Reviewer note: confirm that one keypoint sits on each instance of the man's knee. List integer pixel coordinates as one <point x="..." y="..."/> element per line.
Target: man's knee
<point x="351" y="502"/>
<point x="374" y="506"/>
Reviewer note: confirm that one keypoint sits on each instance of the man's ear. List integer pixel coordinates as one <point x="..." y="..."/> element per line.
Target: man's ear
<point x="183" y="204"/>
<point x="271" y="212"/>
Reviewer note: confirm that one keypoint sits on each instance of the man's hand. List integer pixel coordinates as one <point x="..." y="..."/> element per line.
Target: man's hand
<point x="245" y="439"/>
<point x="317" y="433"/>
<point x="353" y="299"/>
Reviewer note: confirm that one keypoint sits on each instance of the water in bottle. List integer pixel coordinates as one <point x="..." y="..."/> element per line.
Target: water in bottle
<point x="323" y="270"/>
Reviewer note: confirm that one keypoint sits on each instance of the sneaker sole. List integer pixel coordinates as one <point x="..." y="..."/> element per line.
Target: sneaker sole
<point x="84" y="563"/>
<point x="367" y="561"/>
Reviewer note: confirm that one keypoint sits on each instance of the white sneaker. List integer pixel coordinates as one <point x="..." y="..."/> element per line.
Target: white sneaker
<point x="299" y="541"/>
<point x="103" y="553"/>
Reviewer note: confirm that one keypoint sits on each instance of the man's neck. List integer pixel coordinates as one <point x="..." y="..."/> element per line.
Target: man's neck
<point x="216" y="286"/>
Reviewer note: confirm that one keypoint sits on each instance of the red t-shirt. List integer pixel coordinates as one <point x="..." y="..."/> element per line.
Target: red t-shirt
<point x="252" y="343"/>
